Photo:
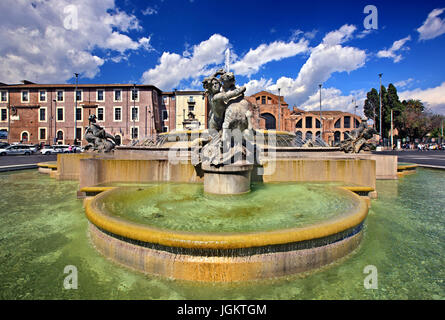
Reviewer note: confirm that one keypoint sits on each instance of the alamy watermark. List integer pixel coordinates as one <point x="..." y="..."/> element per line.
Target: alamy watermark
<point x="371" y="280"/>
<point x="371" y="20"/>
<point x="71" y="280"/>
<point x="71" y="21"/>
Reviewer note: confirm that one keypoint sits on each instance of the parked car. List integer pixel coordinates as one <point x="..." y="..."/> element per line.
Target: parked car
<point x="57" y="148"/>
<point x="3" y="145"/>
<point x="18" y="149"/>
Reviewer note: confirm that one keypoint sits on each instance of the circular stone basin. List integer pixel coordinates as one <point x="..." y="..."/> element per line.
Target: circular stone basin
<point x="185" y="207"/>
<point x="178" y="231"/>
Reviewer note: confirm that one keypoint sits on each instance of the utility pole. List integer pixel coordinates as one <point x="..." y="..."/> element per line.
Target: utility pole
<point x="321" y="121"/>
<point x="380" y="106"/>
<point x="75" y="112"/>
<point x="279" y="110"/>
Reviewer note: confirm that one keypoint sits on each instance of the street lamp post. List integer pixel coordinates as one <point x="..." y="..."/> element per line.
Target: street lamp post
<point x="55" y="121"/>
<point x="75" y="112"/>
<point x="321" y="121"/>
<point x="279" y="110"/>
<point x="380" y="107"/>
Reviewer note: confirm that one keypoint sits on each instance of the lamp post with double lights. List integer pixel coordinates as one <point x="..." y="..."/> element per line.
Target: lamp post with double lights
<point x="321" y="119"/>
<point x="75" y="112"/>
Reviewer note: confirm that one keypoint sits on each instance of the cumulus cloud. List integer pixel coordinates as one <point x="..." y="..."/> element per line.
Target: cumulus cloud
<point x="396" y="46"/>
<point x="433" y="98"/>
<point x="264" y="53"/>
<point x="433" y="26"/>
<point x="56" y="39"/>
<point x="333" y="99"/>
<point x="194" y="62"/>
<point x="149" y="11"/>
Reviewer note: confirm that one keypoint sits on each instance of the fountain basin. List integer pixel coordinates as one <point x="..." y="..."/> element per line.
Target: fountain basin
<point x="225" y="256"/>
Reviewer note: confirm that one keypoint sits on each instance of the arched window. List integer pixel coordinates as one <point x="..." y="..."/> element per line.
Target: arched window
<point x="309" y="135"/>
<point x="317" y="134"/>
<point x="317" y="123"/>
<point x="299" y="124"/>
<point x="24" y="136"/>
<point x="336" y="137"/>
<point x="299" y="134"/>
<point x="345" y="135"/>
<point x="60" y="135"/>
<point x="337" y="123"/>
<point x="308" y="122"/>
<point x="118" y="139"/>
<point x="270" y="121"/>
<point x="357" y="123"/>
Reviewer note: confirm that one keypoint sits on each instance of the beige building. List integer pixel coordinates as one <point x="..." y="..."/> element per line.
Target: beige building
<point x="191" y="110"/>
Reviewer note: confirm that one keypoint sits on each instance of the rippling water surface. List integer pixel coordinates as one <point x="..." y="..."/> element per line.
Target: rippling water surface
<point x="43" y="229"/>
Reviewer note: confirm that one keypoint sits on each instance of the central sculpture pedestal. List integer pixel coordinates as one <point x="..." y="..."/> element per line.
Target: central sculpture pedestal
<point x="228" y="179"/>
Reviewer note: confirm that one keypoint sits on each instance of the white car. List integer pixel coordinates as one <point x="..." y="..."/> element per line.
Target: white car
<point x="58" y="148"/>
<point x="18" y="149"/>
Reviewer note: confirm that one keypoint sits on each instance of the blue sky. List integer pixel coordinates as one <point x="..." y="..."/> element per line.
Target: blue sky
<point x="291" y="45"/>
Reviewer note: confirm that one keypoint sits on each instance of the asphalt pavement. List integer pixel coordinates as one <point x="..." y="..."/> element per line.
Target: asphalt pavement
<point x="20" y="162"/>
<point x="429" y="158"/>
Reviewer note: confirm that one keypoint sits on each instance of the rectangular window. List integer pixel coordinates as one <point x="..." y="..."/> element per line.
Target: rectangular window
<point x="263" y="100"/>
<point x="79" y="114"/>
<point x="191" y="108"/>
<point x="134" y="94"/>
<point x="42" y="96"/>
<point x="42" y="134"/>
<point x="79" y="95"/>
<point x="100" y="114"/>
<point x="347" y="122"/>
<point x="60" y="95"/>
<point x="78" y="134"/>
<point x="60" y="116"/>
<point x="117" y="95"/>
<point x="4" y="114"/>
<point x="4" y="96"/>
<point x="42" y="114"/>
<point x="164" y="115"/>
<point x="134" y="133"/>
<point x="118" y="114"/>
<point x="308" y="122"/>
<point x="134" y="114"/>
<point x="164" y="129"/>
<point x="25" y="96"/>
<point x="100" y="95"/>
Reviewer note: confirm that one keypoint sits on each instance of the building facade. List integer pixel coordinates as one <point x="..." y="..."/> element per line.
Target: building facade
<point x="271" y="112"/>
<point x="191" y="110"/>
<point x="45" y="113"/>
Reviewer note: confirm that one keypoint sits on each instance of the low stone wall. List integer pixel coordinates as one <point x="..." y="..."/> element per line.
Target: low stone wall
<point x="350" y="171"/>
<point x="68" y="165"/>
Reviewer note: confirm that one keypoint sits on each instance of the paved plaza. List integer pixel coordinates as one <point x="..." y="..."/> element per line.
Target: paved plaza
<point x="430" y="158"/>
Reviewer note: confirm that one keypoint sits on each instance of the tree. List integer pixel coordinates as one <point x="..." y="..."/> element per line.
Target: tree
<point x="371" y="107"/>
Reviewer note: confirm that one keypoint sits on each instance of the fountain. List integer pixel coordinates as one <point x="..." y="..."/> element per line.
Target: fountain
<point x="219" y="205"/>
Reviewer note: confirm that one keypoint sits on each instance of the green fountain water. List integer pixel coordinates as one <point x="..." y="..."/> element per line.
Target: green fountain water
<point x="43" y="229"/>
<point x="185" y="207"/>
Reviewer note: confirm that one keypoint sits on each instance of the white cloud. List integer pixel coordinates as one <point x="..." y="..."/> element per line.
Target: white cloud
<point x="264" y="53"/>
<point x="396" y="46"/>
<point x="149" y="11"/>
<point x="195" y="62"/>
<point x="404" y="83"/>
<point x="433" y="98"/>
<point x="326" y="58"/>
<point x="47" y="49"/>
<point x="433" y="26"/>
<point x="254" y="86"/>
<point x="333" y="99"/>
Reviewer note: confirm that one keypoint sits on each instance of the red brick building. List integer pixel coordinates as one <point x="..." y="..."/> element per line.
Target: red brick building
<point x="39" y="113"/>
<point x="274" y="114"/>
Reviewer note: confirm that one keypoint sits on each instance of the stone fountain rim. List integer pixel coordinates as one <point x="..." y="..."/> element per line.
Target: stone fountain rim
<point x="215" y="241"/>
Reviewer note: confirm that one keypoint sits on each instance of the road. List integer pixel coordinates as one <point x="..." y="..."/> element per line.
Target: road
<point x="430" y="158"/>
<point x="9" y="162"/>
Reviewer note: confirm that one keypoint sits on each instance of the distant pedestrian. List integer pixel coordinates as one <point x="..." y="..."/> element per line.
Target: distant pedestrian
<point x="70" y="149"/>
